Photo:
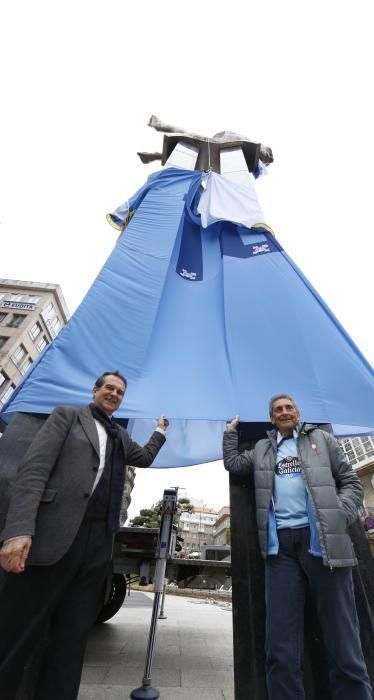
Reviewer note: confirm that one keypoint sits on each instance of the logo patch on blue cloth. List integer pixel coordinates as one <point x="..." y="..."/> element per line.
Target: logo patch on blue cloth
<point x="197" y="252"/>
<point x="288" y="468"/>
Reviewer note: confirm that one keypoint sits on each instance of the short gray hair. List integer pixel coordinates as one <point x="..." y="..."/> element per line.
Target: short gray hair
<point x="280" y="396"/>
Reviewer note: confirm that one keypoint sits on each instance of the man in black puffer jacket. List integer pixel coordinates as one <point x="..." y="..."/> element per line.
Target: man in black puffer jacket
<point x="306" y="497"/>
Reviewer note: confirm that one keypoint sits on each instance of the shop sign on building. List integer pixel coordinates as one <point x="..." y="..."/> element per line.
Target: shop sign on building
<point x="17" y="305"/>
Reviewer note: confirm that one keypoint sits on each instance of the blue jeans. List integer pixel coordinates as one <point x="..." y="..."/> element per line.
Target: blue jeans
<point x="288" y="576"/>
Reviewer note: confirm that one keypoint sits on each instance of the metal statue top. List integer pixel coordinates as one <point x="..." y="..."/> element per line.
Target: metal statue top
<point x="208" y="149"/>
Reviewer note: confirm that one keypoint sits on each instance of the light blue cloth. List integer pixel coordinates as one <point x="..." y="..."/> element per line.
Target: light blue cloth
<point x="204" y="347"/>
<point x="289" y="493"/>
<point x="226" y="200"/>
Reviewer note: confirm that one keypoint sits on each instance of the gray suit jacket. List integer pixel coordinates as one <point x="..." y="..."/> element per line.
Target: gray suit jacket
<point x="54" y="481"/>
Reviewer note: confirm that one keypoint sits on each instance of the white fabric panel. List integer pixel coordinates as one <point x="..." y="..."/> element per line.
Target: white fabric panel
<point x="234" y="166"/>
<point x="183" y="157"/>
<point x="226" y="200"/>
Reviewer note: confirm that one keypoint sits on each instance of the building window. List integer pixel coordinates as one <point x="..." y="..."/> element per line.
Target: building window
<point x="55" y="326"/>
<point x="14" y="297"/>
<point x="26" y="365"/>
<point x="48" y="309"/>
<point x="19" y="355"/>
<point x="15" y="320"/>
<point x="358" y="449"/>
<point x="2" y="316"/>
<point x="35" y="331"/>
<point x="42" y="342"/>
<point x="3" y="339"/>
<point x="7" y="395"/>
<point x="26" y="298"/>
<point x="3" y="378"/>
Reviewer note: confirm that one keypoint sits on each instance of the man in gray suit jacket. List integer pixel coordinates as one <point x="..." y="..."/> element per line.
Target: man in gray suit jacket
<point x="58" y="536"/>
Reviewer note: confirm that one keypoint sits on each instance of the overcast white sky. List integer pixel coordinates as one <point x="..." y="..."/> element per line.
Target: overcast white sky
<point x="79" y="80"/>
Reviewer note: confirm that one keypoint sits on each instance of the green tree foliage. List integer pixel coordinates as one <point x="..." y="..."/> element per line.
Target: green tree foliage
<point x="150" y="517"/>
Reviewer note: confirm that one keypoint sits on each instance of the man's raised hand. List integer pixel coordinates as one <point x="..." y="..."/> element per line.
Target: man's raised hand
<point x="232" y="424"/>
<point x="162" y="422"/>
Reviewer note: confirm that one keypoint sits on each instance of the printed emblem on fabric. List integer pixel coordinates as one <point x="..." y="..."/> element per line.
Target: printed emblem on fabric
<point x="288" y="467"/>
<point x="188" y="275"/>
<point x="257" y="249"/>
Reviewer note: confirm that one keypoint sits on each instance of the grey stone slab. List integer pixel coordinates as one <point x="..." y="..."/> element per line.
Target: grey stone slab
<point x="97" y="647"/>
<point x="222" y="662"/>
<point x="192" y="657"/>
<point x="228" y="694"/>
<point x="99" y="692"/>
<point x="182" y="662"/>
<point x="128" y="660"/>
<point x="110" y="633"/>
<point x="220" y="650"/>
<point x="199" y="678"/>
<point x="167" y="649"/>
<point x="94" y="674"/>
<point x="132" y="676"/>
<point x="185" y="694"/>
<point x="104" y="658"/>
<point x="123" y="693"/>
<point x="194" y="649"/>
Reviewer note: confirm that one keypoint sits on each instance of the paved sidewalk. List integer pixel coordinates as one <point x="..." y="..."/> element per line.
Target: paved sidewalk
<point x="193" y="651"/>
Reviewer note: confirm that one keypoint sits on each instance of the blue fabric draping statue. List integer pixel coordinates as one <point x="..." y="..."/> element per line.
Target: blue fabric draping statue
<point x="203" y="311"/>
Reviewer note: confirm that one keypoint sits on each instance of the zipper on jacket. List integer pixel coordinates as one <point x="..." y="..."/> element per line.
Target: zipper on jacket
<point x="271" y="502"/>
<point x="312" y="501"/>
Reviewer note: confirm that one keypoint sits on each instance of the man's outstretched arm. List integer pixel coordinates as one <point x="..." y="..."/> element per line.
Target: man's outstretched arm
<point x="139" y="456"/>
<point x="235" y="462"/>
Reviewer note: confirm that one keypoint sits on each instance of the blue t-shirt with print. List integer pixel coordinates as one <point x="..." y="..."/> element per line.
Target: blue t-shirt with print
<point x="289" y="490"/>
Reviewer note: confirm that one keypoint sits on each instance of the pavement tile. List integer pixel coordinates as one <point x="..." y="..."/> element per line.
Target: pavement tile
<point x="220" y="650"/>
<point x="206" y="678"/>
<point x="182" y="662"/>
<point x="99" y="692"/>
<point x="95" y="645"/>
<point x="94" y="674"/>
<point x="192" y="655"/>
<point x="167" y="649"/>
<point x="123" y="693"/>
<point x="228" y="694"/>
<point x="106" y="658"/>
<point x="194" y="650"/>
<point x="132" y="676"/>
<point x="224" y="662"/>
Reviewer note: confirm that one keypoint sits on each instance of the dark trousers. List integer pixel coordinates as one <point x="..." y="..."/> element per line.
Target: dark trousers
<point x="288" y="576"/>
<point x="65" y="597"/>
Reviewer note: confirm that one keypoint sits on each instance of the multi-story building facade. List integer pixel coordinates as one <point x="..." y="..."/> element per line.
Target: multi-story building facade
<point x="31" y="316"/>
<point x="197" y="527"/>
<point x="221" y="532"/>
<point x="360" y="453"/>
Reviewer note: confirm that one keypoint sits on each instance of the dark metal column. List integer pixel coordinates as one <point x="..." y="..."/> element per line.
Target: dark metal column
<point x="248" y="602"/>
